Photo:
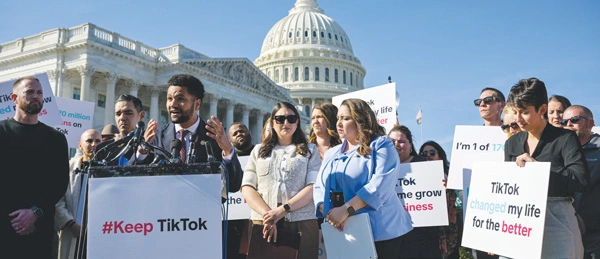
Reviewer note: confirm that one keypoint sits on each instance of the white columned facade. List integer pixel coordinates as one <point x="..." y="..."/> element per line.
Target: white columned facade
<point x="312" y="104"/>
<point x="134" y="87"/>
<point x="229" y="117"/>
<point x="258" y="126"/>
<point x="246" y="116"/>
<point x="86" y="73"/>
<point x="214" y="102"/>
<point x="155" y="92"/>
<point x="109" y="111"/>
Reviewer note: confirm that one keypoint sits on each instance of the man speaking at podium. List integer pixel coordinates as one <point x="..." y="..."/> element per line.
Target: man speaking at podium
<point x="207" y="140"/>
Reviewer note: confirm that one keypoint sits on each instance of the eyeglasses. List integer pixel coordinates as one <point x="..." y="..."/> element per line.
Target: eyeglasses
<point x="574" y="120"/>
<point x="280" y="119"/>
<point x="486" y="100"/>
<point x="431" y="153"/>
<point x="512" y="125"/>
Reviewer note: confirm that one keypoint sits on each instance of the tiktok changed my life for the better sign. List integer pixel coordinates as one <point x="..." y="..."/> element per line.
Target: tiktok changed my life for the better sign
<point x="506" y="208"/>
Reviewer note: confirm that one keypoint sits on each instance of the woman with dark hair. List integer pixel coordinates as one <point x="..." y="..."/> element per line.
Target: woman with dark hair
<point x="323" y="132"/>
<point x="540" y="141"/>
<point x="557" y="104"/>
<point x="403" y="141"/>
<point x="359" y="176"/>
<point x="278" y="181"/>
<point x="450" y="236"/>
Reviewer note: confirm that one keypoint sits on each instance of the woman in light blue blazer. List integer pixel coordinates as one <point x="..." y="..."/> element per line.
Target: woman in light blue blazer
<point x="359" y="176"/>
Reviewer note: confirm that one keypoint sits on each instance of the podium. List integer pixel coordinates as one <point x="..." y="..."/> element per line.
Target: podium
<point x="151" y="211"/>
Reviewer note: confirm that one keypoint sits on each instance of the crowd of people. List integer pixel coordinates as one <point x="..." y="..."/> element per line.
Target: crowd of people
<point x="293" y="181"/>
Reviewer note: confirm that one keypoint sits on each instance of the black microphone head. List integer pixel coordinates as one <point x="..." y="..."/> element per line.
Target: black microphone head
<point x="176" y="143"/>
<point x="130" y="134"/>
<point x="140" y="124"/>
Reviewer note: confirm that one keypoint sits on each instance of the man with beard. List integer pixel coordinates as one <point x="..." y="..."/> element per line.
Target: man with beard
<point x="40" y="158"/>
<point x="128" y="112"/>
<point x="240" y="137"/>
<point x="184" y="99"/>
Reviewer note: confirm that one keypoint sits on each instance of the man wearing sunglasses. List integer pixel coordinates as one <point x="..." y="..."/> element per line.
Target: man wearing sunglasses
<point x="490" y="103"/>
<point x="580" y="119"/>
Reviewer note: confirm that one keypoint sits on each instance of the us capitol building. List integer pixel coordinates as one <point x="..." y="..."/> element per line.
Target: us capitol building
<point x="306" y="58"/>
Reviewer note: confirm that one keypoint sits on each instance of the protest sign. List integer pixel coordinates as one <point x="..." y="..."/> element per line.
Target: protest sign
<point x="506" y="208"/>
<point x="422" y="192"/>
<point x="77" y="117"/>
<point x="382" y="100"/>
<point x="471" y="144"/>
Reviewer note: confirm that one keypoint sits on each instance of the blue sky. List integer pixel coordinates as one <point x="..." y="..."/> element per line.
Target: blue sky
<point x="439" y="53"/>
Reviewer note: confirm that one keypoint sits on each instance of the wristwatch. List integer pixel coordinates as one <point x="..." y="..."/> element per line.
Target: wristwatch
<point x="287" y="208"/>
<point x="349" y="209"/>
<point x="37" y="211"/>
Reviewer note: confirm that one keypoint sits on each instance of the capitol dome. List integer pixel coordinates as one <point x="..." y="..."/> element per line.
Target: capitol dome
<point x="310" y="54"/>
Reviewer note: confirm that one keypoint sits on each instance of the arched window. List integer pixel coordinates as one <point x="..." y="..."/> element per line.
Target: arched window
<point x="314" y="34"/>
<point x="316" y="74"/>
<point x="322" y="35"/>
<point x="290" y="35"/>
<point x="276" y="75"/>
<point x="306" y="34"/>
<point x="329" y="33"/>
<point x="296" y="74"/>
<point x="326" y="74"/>
<point x="269" y="74"/>
<point x="351" y="80"/>
<point x="344" y="76"/>
<point x="336" y="37"/>
<point x="335" y="75"/>
<point x="306" y="71"/>
<point x="286" y="75"/>
<point x="297" y="33"/>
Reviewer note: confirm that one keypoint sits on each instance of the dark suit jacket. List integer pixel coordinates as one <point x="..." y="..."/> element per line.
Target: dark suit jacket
<point x="569" y="172"/>
<point x="166" y="134"/>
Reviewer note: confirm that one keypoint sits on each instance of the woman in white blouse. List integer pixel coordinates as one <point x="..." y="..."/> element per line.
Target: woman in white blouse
<point x="278" y="181"/>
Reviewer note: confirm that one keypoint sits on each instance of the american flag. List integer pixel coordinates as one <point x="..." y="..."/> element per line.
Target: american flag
<point x="419" y="117"/>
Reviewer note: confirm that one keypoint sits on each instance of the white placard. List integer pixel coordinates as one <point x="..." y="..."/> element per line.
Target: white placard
<point x="506" y="208"/>
<point x="471" y="144"/>
<point x="77" y="117"/>
<point x="382" y="100"/>
<point x="236" y="204"/>
<point x="420" y="188"/>
<point x="355" y="241"/>
<point x="49" y="114"/>
<point x="155" y="217"/>
<point x="596" y="129"/>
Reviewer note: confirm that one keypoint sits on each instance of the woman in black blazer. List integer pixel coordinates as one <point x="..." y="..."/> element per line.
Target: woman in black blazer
<point x="569" y="173"/>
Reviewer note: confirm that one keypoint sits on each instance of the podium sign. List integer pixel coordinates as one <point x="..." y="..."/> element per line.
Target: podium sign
<point x="165" y="216"/>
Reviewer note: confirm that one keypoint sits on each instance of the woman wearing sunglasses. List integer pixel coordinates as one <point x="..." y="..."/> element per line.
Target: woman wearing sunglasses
<point x="359" y="176"/>
<point x="323" y="132"/>
<point x="509" y="124"/>
<point x="450" y="236"/>
<point x="557" y="104"/>
<point x="278" y="181"/>
<point x="540" y="141"/>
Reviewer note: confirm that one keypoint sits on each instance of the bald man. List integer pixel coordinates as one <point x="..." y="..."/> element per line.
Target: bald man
<point x="66" y="208"/>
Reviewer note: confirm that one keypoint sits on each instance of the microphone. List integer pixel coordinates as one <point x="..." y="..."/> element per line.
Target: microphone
<point x="138" y="134"/>
<point x="175" y="148"/>
<point x="114" y="144"/>
<point x="214" y="165"/>
<point x="191" y="156"/>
